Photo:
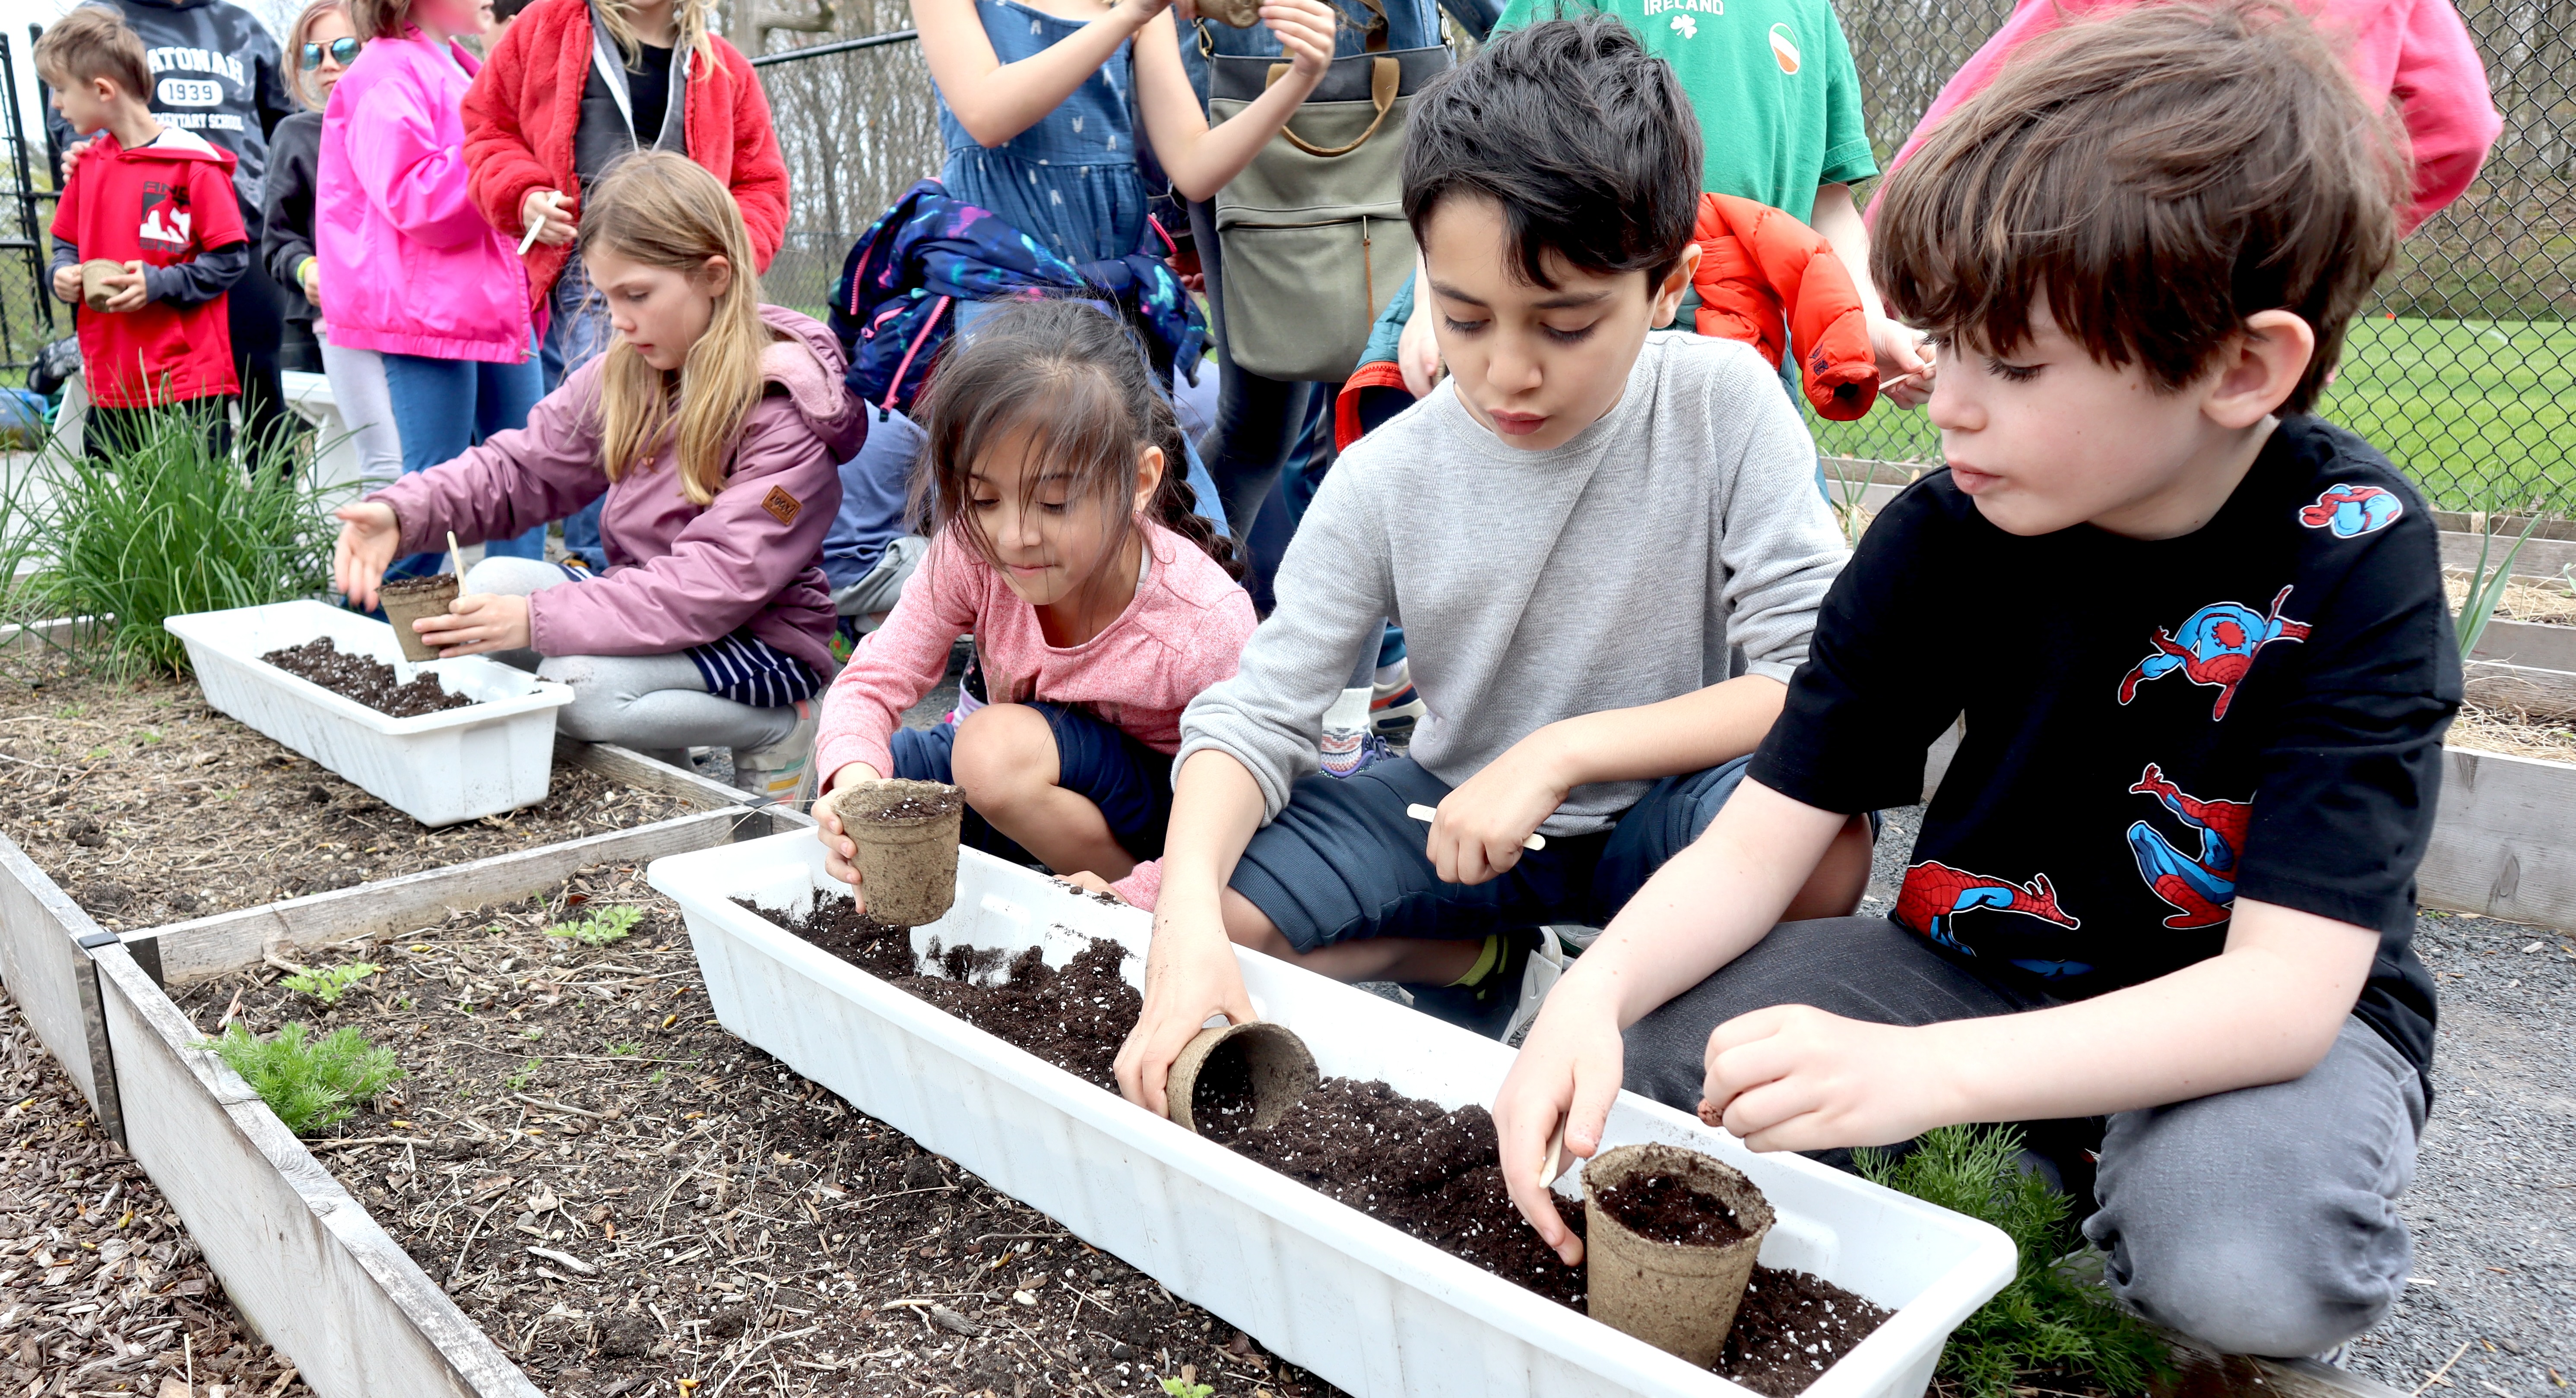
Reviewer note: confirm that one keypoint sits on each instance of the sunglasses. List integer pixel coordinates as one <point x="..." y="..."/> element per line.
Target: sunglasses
<point x="343" y="52"/>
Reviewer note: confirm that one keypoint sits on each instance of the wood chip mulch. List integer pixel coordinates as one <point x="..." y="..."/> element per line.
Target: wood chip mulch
<point x="101" y="1292"/>
<point x="630" y="1200"/>
<point x="148" y="807"/>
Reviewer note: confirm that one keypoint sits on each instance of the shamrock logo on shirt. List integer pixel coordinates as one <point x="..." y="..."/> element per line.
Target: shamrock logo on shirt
<point x="1686" y="26"/>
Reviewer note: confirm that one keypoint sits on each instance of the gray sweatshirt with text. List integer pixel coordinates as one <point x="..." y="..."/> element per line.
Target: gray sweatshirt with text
<point x="1534" y="586"/>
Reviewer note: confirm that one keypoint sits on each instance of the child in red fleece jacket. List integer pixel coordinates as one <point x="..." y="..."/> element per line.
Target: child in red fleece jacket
<point x="158" y="202"/>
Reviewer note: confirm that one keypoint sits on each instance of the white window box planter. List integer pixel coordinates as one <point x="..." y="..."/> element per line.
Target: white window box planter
<point x="439" y="769"/>
<point x="1362" y="1305"/>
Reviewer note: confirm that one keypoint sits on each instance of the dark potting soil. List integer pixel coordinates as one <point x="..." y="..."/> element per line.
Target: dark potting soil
<point x="1668" y="1210"/>
<point x="368" y="680"/>
<point x="1221" y="1101"/>
<point x="1433" y="1173"/>
<point x="912" y="808"/>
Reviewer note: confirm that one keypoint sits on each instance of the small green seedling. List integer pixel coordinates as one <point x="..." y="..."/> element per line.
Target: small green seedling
<point x="527" y="1074"/>
<point x="328" y="986"/>
<point x="310" y="1083"/>
<point x="600" y="928"/>
<point x="2051" y="1317"/>
<point x="1183" y="1388"/>
<point x="625" y="1048"/>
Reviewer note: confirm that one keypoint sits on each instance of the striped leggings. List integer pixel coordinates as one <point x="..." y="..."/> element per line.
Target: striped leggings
<point x="656" y="703"/>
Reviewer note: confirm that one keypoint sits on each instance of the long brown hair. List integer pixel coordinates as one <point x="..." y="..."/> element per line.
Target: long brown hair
<point x="662" y="209"/>
<point x="689" y="15"/>
<point x="1075" y="380"/>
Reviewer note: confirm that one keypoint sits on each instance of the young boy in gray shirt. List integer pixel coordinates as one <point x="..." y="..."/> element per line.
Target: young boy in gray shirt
<point x="1574" y="530"/>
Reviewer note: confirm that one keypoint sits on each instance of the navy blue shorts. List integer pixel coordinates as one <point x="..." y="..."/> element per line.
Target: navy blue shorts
<point x="1343" y="862"/>
<point x="1130" y="782"/>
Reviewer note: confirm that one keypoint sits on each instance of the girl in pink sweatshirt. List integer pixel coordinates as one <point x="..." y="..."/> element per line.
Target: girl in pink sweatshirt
<point x="714" y="426"/>
<point x="1064" y="539"/>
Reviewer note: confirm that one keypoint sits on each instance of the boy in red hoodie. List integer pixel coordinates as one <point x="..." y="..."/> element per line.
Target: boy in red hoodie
<point x="158" y="202"/>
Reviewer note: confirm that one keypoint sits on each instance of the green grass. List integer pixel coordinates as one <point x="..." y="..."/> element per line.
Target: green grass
<point x="2478" y="412"/>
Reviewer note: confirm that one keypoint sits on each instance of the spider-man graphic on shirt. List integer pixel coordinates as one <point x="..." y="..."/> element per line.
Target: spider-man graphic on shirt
<point x="1935" y="895"/>
<point x="2202" y="887"/>
<point x="2349" y="511"/>
<point x="2215" y="647"/>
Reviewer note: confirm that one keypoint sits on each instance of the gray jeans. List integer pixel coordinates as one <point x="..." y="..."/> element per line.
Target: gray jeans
<point x="657" y="703"/>
<point x="2261" y="1221"/>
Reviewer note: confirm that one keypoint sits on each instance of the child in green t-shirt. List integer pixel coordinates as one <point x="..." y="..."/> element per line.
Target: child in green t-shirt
<point x="1780" y="118"/>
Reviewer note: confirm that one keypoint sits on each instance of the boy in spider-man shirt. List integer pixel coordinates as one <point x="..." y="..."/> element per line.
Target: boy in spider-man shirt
<point x="159" y="201"/>
<point x="2160" y="908"/>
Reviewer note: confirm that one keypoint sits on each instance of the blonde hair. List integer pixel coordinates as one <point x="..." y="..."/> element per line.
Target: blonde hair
<point x="302" y="81"/>
<point x="689" y="15"/>
<point x="662" y="209"/>
<point x="94" y="42"/>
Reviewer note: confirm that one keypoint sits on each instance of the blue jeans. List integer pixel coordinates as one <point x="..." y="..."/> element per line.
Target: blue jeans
<point x="577" y="332"/>
<point x="443" y="407"/>
<point x="1130" y="782"/>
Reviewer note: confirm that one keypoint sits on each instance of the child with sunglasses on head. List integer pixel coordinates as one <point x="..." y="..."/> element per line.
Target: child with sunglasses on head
<point x="320" y="46"/>
<point x="1066" y="541"/>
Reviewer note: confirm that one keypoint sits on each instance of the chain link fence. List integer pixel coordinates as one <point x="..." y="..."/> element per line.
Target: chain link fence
<point x="2462" y="369"/>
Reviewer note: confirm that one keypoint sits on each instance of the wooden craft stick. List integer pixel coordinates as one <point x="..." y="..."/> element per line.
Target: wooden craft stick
<point x="455" y="557"/>
<point x="1555" y="1161"/>
<point x="1425" y="814"/>
<point x="533" y="230"/>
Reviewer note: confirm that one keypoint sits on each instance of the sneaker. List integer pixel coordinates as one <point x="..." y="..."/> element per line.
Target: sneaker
<point x="1395" y="706"/>
<point x="1349" y="750"/>
<point x="783" y="772"/>
<point x="1504" y="1000"/>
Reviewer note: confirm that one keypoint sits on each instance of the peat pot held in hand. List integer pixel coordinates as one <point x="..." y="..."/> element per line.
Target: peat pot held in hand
<point x="407" y="600"/>
<point x="1256" y="1065"/>
<point x="1670" y="1236"/>
<point x="906" y="833"/>
<point x="94" y="275"/>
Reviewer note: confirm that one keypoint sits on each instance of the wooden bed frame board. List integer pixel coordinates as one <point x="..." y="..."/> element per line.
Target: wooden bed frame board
<point x="2539" y="645"/>
<point x="48" y="973"/>
<point x="2502" y="846"/>
<point x="300" y="1258"/>
<point x="180" y="953"/>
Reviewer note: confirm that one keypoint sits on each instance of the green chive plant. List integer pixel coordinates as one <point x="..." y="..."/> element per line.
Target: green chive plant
<point x="171" y="525"/>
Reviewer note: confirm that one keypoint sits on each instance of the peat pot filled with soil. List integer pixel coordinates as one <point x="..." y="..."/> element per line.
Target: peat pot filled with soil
<point x="1670" y="1236"/>
<point x="906" y="833"/>
<point x="412" y="599"/>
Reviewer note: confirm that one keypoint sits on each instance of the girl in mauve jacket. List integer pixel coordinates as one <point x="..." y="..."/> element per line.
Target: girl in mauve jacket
<point x="712" y="426"/>
<point x="572" y="86"/>
<point x="408" y="266"/>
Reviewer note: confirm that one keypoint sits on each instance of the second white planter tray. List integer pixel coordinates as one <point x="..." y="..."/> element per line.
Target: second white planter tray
<point x="1364" y="1306"/>
<point x="440" y="769"/>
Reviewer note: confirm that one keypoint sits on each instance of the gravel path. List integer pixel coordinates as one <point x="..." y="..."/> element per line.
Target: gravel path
<point x="2493" y="1210"/>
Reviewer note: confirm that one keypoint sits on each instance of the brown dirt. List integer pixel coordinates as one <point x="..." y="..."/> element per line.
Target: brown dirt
<point x="1432" y="1173"/>
<point x="1667" y="1210"/>
<point x="366" y="679"/>
<point x="742" y="1221"/>
<point x="101" y="1290"/>
<point x="1792" y="1327"/>
<point x="149" y="807"/>
<point x="912" y="808"/>
<point x="2510" y="731"/>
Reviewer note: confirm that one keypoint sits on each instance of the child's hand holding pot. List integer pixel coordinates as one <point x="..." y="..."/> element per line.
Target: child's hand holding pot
<point x="127" y="290"/>
<point x="67" y="282"/>
<point x="369" y="534"/>
<point x="477" y="622"/>
<point x="840" y="852"/>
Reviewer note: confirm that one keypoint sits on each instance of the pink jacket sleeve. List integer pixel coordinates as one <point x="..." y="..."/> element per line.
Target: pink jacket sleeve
<point x="2451" y="117"/>
<point x="899" y="662"/>
<point x="417" y="178"/>
<point x="512" y="482"/>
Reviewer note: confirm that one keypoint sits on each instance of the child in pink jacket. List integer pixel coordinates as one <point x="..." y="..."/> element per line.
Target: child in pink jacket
<point x="408" y="266"/>
<point x="2417" y="52"/>
<point x="1065" y="540"/>
<point x="713" y="624"/>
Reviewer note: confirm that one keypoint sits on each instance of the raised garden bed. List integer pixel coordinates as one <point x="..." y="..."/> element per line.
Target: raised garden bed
<point x="491" y="755"/>
<point x="101" y="1288"/>
<point x="616" y="1193"/>
<point x="138" y="806"/>
<point x="1360" y="1303"/>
